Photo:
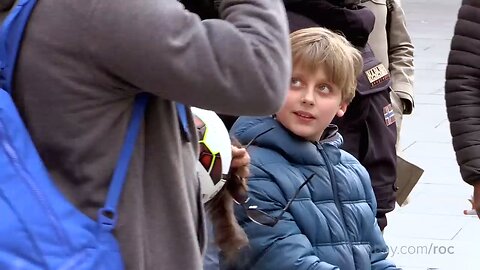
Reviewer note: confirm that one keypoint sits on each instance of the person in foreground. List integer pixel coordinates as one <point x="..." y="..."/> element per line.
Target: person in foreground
<point x="79" y="71"/>
<point x="317" y="200"/>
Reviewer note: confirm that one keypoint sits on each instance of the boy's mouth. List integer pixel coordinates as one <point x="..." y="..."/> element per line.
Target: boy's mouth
<point x="304" y="115"/>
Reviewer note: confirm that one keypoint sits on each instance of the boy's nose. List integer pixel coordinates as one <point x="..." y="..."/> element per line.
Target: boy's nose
<point x="308" y="98"/>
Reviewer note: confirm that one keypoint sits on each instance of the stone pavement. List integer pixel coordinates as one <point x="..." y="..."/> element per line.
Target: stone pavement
<point x="431" y="232"/>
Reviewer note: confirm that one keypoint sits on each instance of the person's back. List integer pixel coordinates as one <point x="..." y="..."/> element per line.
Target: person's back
<point x="81" y="65"/>
<point x="319" y="195"/>
<point x="462" y="95"/>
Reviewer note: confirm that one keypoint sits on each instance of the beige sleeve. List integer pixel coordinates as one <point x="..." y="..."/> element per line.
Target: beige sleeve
<point x="401" y="53"/>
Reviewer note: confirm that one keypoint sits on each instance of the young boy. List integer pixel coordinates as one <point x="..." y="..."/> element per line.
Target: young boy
<point x="317" y="199"/>
<point x="368" y="127"/>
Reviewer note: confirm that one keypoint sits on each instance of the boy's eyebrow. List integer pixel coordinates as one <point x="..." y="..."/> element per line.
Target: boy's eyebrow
<point x="301" y="75"/>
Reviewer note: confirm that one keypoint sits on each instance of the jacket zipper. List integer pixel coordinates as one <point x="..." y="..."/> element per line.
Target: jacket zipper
<point x="41" y="198"/>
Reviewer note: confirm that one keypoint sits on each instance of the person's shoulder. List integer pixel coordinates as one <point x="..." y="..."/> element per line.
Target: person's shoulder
<point x="469" y="11"/>
<point x="352" y="163"/>
<point x="262" y="156"/>
<point x="266" y="163"/>
<point x="347" y="157"/>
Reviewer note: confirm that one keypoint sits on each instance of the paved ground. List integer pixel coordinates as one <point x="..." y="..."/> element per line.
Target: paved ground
<point x="431" y="232"/>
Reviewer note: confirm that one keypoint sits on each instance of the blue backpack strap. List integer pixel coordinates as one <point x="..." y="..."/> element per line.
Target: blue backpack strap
<point x="107" y="216"/>
<point x="182" y="117"/>
<point x="12" y="30"/>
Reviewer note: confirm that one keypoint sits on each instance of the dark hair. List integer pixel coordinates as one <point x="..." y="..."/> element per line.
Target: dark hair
<point x="205" y="9"/>
<point x="6" y="4"/>
<point x="229" y="236"/>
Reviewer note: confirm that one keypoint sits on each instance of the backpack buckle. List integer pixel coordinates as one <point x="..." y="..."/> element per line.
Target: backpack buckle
<point x="107" y="218"/>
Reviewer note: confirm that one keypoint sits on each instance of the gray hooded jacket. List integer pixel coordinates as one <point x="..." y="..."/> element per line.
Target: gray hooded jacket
<point x="80" y="66"/>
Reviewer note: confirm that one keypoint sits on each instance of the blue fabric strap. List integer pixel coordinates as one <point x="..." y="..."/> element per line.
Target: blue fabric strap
<point x="11" y="35"/>
<point x="10" y="39"/>
<point x="182" y="117"/>
<point x="107" y="216"/>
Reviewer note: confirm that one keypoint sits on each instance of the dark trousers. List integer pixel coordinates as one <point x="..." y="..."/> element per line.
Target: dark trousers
<point x="369" y="132"/>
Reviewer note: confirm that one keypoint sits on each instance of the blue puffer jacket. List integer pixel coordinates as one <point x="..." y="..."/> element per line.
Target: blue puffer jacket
<point x="331" y="223"/>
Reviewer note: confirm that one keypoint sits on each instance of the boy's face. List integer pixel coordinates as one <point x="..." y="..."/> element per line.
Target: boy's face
<point x="312" y="103"/>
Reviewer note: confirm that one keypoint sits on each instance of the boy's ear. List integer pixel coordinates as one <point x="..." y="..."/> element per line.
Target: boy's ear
<point x="342" y="109"/>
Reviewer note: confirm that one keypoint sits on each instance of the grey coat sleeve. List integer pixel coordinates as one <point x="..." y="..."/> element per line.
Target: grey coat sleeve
<point x="462" y="90"/>
<point x="239" y="65"/>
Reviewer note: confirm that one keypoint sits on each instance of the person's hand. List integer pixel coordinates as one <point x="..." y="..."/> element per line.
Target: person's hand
<point x="407" y="106"/>
<point x="240" y="162"/>
<point x="476" y="198"/>
<point x="475" y="201"/>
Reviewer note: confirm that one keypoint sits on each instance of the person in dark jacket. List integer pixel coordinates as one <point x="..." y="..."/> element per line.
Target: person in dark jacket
<point x="462" y="94"/>
<point x="368" y="127"/>
<point x="317" y="199"/>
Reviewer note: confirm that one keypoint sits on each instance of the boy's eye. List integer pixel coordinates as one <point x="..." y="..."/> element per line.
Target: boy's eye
<point x="295" y="83"/>
<point x="324" y="88"/>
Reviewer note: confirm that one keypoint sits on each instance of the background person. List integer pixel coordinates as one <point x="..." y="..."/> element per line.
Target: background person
<point x="462" y="95"/>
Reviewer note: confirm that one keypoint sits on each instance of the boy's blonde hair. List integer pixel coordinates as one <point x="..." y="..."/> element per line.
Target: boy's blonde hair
<point x="318" y="47"/>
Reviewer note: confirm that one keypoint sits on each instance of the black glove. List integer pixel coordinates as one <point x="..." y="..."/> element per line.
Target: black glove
<point x="205" y="9"/>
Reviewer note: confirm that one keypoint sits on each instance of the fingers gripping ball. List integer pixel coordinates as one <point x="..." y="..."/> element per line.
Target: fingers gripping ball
<point x="215" y="151"/>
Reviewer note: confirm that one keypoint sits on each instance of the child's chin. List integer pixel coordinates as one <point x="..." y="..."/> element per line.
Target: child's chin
<point x="306" y="134"/>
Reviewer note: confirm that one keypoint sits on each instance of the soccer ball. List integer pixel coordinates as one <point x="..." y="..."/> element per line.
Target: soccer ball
<point x="215" y="151"/>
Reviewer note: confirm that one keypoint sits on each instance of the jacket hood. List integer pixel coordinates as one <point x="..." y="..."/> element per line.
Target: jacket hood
<point x="355" y="22"/>
<point x="266" y="132"/>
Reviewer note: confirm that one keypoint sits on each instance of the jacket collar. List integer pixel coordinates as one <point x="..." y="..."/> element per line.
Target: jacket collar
<point x="266" y="132"/>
